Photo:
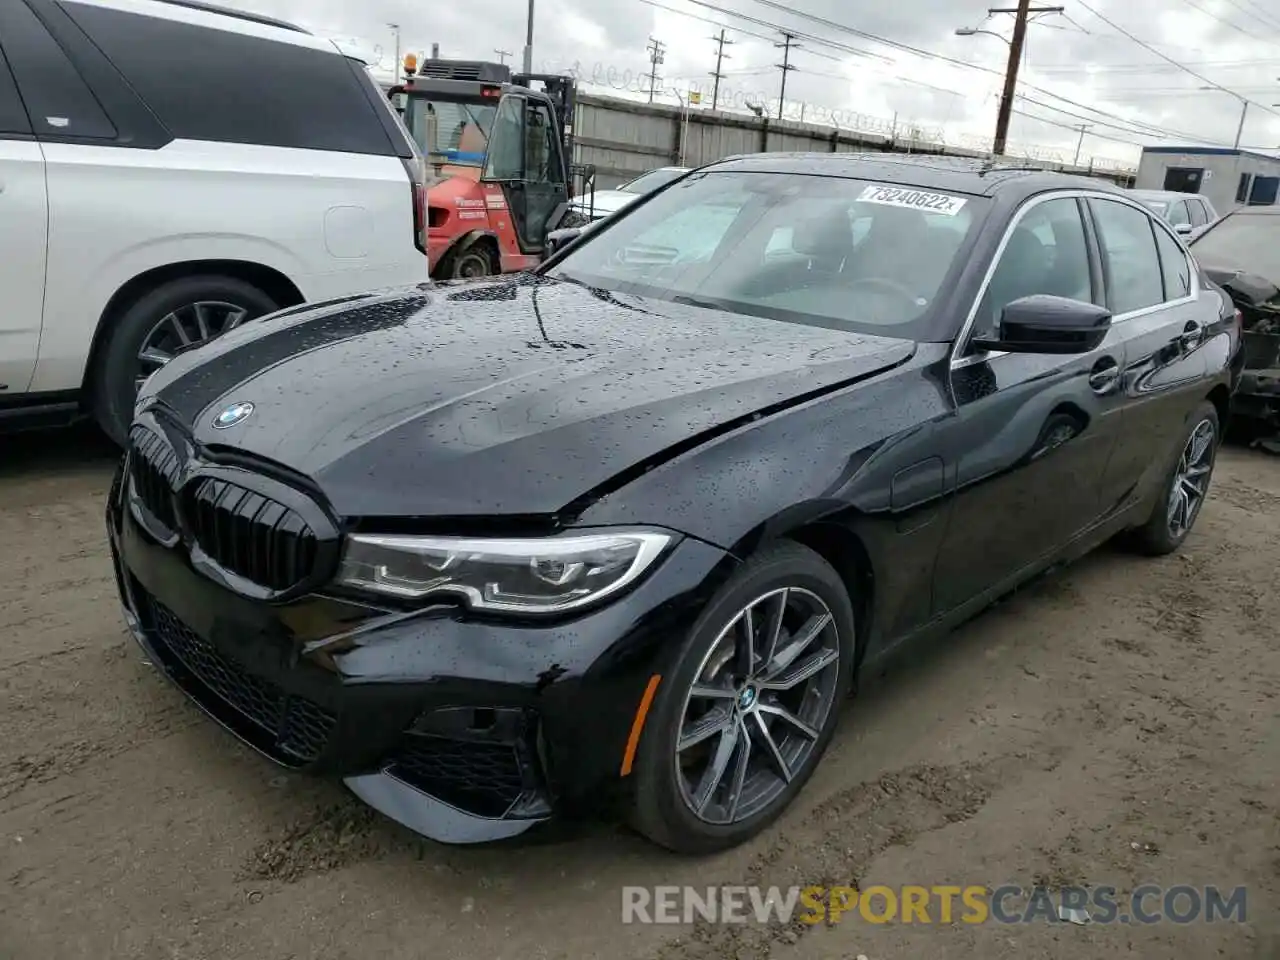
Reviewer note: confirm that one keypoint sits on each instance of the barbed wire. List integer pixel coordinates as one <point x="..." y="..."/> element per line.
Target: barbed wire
<point x="607" y="77"/>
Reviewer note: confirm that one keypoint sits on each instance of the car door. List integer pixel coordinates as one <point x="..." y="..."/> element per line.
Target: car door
<point x="544" y="174"/>
<point x="1162" y="316"/>
<point x="24" y="237"/>
<point x="1032" y="433"/>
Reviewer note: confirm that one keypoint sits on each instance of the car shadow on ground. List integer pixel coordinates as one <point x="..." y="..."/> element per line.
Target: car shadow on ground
<point x="70" y="449"/>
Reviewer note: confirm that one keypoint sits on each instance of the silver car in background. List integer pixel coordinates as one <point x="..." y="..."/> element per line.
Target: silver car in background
<point x="604" y="203"/>
<point x="1187" y="213"/>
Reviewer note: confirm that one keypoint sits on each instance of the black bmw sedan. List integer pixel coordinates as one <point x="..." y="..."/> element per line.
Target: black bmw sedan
<point x="622" y="532"/>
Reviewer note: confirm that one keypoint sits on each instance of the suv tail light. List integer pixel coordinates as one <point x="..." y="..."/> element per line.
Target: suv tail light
<point x="418" y="189"/>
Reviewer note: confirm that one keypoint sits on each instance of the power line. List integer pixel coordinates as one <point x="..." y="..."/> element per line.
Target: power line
<point x="930" y="55"/>
<point x="809" y="38"/>
<point x="721" y="42"/>
<point x="1270" y="22"/>
<point x="656" y="56"/>
<point x="788" y="41"/>
<point x="714" y="23"/>
<point x="1130" y="126"/>
<point x="1183" y="67"/>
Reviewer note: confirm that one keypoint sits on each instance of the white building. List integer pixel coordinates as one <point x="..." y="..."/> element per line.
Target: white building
<point x="1229" y="178"/>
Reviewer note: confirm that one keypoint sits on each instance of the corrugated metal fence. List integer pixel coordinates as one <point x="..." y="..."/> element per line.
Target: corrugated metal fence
<point x="623" y="139"/>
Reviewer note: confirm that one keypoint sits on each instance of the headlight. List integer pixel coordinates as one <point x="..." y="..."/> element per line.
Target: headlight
<point x="545" y="575"/>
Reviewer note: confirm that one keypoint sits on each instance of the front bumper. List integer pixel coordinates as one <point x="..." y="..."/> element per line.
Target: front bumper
<point x="462" y="730"/>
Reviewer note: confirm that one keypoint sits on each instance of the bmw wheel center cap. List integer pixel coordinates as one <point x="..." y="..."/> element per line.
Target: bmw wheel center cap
<point x="232" y="415"/>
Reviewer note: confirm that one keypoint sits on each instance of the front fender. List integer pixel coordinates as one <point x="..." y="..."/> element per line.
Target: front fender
<point x="865" y="458"/>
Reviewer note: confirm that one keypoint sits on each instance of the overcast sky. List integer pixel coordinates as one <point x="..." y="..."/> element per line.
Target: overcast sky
<point x="1078" y="68"/>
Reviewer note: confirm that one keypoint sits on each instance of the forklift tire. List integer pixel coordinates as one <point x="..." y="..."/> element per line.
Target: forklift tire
<point x="470" y="263"/>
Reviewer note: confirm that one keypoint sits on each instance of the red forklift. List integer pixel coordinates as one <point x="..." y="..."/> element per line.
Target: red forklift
<point x="498" y="149"/>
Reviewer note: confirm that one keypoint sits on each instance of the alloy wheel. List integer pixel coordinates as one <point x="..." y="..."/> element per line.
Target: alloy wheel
<point x="757" y="705"/>
<point x="184" y="327"/>
<point x="1191" y="479"/>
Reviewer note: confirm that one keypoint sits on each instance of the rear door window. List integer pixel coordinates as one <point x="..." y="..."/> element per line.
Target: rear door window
<point x="1178" y="214"/>
<point x="1135" y="280"/>
<point x="58" y="101"/>
<point x="218" y="85"/>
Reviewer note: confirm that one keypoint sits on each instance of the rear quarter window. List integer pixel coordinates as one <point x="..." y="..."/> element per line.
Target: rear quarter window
<point x="218" y="85"/>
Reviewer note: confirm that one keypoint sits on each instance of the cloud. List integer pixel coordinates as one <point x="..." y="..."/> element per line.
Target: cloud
<point x="1077" y="69"/>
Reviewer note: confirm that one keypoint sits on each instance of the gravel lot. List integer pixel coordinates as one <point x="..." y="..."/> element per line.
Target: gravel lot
<point x="1114" y="725"/>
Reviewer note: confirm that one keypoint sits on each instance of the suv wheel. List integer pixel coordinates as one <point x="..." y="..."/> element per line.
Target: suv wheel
<point x="173" y="317"/>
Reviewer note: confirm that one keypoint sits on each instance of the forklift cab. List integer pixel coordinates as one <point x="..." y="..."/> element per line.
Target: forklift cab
<point x="474" y="120"/>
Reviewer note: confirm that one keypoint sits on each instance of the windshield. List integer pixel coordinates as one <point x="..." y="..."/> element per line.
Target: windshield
<point x="1242" y="241"/>
<point x="1159" y="206"/>
<point x="832" y="252"/>
<point x="459" y="131"/>
<point x="648" y="182"/>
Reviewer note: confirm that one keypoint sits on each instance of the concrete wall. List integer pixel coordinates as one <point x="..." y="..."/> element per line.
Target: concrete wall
<point x="623" y="139"/>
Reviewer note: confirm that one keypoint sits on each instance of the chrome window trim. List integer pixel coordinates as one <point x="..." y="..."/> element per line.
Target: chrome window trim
<point x="958" y="357"/>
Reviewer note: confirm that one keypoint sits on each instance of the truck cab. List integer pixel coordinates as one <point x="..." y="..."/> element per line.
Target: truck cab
<point x="497" y="151"/>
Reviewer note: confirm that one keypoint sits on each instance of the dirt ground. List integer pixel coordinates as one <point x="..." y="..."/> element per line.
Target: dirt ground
<point x="1112" y="726"/>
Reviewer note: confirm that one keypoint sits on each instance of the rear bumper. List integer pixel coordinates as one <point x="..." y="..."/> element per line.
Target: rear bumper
<point x="462" y="731"/>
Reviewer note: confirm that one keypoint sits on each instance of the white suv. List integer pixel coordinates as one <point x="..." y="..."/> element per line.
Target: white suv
<point x="169" y="170"/>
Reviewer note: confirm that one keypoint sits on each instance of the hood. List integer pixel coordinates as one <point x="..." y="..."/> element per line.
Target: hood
<point x="516" y="396"/>
<point x="607" y="201"/>
<point x="1245" y="288"/>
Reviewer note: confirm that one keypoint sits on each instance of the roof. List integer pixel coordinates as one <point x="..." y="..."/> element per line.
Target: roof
<point x="1211" y="152"/>
<point x="960" y="174"/>
<point x="238" y="14"/>
<point x="1164" y="194"/>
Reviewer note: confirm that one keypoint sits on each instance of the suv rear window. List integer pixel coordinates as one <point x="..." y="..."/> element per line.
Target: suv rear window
<point x="218" y="85"/>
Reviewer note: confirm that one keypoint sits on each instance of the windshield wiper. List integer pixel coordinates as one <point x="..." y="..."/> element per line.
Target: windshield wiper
<point x="689" y="301"/>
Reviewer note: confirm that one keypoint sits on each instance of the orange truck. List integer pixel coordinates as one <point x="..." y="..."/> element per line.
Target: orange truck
<point x="498" y="150"/>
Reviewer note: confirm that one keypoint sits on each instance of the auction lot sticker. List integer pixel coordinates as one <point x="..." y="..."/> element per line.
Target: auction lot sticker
<point x="913" y="199"/>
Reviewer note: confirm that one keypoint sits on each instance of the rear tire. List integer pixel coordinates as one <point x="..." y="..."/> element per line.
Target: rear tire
<point x="679" y="802"/>
<point x="184" y="307"/>
<point x="1185" y="489"/>
<point x="474" y="262"/>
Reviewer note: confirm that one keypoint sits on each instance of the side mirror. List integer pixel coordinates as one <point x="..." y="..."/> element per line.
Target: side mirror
<point x="1046" y="324"/>
<point x="1183" y="228"/>
<point x="557" y="240"/>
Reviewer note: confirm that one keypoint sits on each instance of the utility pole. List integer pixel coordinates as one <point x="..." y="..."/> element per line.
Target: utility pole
<point x="1084" y="127"/>
<point x="788" y="41"/>
<point x="502" y="55"/>
<point x="1020" y="15"/>
<point x="528" y="41"/>
<point x="656" y="55"/>
<point x="721" y="56"/>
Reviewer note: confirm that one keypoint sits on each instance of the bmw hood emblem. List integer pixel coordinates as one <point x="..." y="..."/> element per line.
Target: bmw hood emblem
<point x="236" y="413"/>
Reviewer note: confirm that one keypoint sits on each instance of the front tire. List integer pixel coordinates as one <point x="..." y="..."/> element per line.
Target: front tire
<point x="171" y="317"/>
<point x="1185" y="488"/>
<point x="749" y="706"/>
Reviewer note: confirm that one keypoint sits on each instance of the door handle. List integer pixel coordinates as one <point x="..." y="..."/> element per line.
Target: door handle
<point x="1104" y="375"/>
<point x="1192" y="335"/>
